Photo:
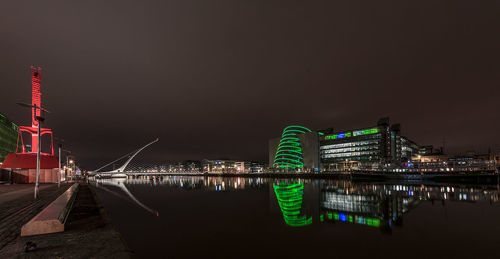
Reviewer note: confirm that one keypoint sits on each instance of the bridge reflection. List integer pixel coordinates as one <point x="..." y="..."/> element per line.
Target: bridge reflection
<point x="103" y="184"/>
<point x="209" y="183"/>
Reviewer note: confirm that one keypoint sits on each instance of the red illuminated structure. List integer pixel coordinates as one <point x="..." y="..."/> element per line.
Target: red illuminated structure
<point x="24" y="163"/>
<point x="36" y="100"/>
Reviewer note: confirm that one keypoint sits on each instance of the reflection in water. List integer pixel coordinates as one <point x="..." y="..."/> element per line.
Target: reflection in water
<point x="289" y="196"/>
<point x="212" y="183"/>
<point x="243" y="217"/>
<point x="304" y="201"/>
<point x="120" y="183"/>
<point x="382" y="205"/>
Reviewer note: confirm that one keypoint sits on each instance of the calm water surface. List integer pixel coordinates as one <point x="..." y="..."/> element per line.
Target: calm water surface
<point x="222" y="217"/>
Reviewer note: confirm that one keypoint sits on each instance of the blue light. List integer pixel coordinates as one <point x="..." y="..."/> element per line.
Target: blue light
<point x="341" y="135"/>
<point x="342" y="217"/>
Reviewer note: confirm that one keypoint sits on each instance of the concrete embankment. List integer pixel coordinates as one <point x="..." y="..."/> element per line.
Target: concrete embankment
<point x="88" y="233"/>
<point x="17" y="206"/>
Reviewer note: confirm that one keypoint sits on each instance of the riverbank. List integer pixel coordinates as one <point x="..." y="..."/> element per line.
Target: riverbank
<point x="88" y="233"/>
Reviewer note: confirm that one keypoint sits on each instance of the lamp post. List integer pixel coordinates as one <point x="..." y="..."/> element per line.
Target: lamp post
<point x="59" y="172"/>
<point x="39" y="119"/>
<point x="60" y="160"/>
<point x="70" y="162"/>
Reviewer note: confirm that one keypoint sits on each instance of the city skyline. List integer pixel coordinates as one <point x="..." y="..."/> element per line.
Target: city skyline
<point x="249" y="129"/>
<point x="213" y="86"/>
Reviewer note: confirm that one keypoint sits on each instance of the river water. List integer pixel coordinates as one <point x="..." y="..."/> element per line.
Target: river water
<point x="232" y="217"/>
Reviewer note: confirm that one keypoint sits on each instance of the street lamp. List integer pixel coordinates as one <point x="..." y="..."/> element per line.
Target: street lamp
<point x="39" y="119"/>
<point x="60" y="157"/>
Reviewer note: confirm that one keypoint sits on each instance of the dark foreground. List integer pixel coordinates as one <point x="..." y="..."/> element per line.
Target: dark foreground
<point x="88" y="233"/>
<point x="234" y="217"/>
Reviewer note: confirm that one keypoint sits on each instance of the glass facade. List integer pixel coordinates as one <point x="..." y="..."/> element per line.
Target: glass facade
<point x="355" y="145"/>
<point x="8" y="137"/>
<point x="380" y="144"/>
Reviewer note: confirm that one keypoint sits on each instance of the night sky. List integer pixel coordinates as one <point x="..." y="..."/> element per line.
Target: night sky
<point x="217" y="79"/>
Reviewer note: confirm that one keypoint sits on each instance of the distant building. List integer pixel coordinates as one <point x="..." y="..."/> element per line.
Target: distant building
<point x="378" y="144"/>
<point x="223" y="166"/>
<point x="256" y="167"/>
<point x="8" y="137"/>
<point x="425" y="150"/>
<point x="379" y="147"/>
<point x="191" y="165"/>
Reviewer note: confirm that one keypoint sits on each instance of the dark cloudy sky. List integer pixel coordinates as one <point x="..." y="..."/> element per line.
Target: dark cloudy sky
<point x="219" y="78"/>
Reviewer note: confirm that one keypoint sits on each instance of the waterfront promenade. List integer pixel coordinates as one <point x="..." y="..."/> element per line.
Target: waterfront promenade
<point x="88" y="232"/>
<point x="17" y="206"/>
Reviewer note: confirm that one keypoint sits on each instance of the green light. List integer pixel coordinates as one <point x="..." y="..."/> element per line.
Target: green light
<point x="292" y="155"/>
<point x="289" y="196"/>
<point x="372" y="222"/>
<point x="328" y="137"/>
<point x="297" y="127"/>
<point x="354" y="133"/>
<point x="365" y="131"/>
<point x="289" y="152"/>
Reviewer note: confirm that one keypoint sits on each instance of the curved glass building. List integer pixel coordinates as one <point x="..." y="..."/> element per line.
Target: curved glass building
<point x="289" y="153"/>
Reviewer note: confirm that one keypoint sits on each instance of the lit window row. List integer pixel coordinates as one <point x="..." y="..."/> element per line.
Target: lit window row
<point x="364" y="153"/>
<point x="350" y="149"/>
<point x="350" y="144"/>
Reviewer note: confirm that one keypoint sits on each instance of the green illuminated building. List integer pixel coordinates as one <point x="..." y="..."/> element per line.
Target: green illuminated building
<point x="296" y="149"/>
<point x="370" y="148"/>
<point x="8" y="137"/>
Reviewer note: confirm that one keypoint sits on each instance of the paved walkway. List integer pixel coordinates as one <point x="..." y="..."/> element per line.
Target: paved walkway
<point x="18" y="206"/>
<point x="88" y="234"/>
<point x="16" y="191"/>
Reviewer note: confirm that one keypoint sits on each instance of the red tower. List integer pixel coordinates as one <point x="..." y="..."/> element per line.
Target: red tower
<point x="22" y="163"/>
<point x="36" y="100"/>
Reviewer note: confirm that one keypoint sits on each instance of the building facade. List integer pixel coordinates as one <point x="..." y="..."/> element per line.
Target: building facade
<point x="375" y="145"/>
<point x="8" y="137"/>
<point x="224" y="166"/>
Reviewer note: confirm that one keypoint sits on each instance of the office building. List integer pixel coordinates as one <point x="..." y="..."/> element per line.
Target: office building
<point x="8" y="137"/>
<point x="377" y="144"/>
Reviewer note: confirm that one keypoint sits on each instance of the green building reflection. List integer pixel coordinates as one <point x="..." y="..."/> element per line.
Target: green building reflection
<point x="290" y="196"/>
